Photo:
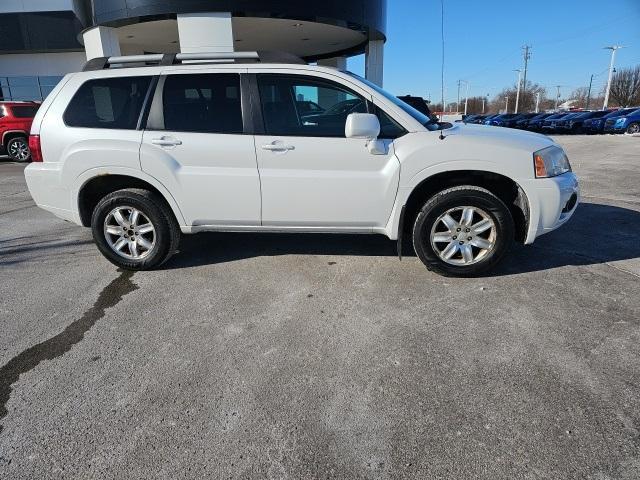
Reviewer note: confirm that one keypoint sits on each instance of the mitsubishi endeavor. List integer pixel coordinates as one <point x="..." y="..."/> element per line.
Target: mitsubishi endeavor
<point x="144" y="148"/>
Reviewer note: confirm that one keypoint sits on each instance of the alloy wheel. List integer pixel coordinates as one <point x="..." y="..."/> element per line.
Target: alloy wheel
<point x="463" y="235"/>
<point x="129" y="233"/>
<point x="19" y="149"/>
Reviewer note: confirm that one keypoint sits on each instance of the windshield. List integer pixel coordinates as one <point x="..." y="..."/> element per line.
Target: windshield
<point x="420" y="117"/>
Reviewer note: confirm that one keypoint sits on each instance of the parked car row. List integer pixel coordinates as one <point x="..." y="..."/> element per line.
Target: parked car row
<point x="623" y="120"/>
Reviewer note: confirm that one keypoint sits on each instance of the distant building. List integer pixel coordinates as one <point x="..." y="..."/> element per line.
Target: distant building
<point x="41" y="40"/>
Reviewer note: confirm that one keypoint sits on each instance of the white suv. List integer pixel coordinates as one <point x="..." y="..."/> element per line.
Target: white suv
<point x="143" y="148"/>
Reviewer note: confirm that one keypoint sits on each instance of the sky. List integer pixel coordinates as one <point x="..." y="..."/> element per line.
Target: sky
<point x="483" y="40"/>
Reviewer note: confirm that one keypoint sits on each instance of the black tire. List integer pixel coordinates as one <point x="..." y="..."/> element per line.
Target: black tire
<point x="457" y="197"/>
<point x="18" y="149"/>
<point x="633" y="128"/>
<point x="155" y="209"/>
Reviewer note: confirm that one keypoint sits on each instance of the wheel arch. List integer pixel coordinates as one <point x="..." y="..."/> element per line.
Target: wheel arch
<point x="11" y="134"/>
<point x="505" y="188"/>
<point x="97" y="186"/>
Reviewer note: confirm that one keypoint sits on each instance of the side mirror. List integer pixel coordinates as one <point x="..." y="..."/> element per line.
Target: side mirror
<point x="362" y="125"/>
<point x="367" y="127"/>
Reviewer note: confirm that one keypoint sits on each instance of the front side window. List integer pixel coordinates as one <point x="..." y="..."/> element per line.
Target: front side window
<point x="304" y="106"/>
<point x="113" y="103"/>
<point x="206" y="103"/>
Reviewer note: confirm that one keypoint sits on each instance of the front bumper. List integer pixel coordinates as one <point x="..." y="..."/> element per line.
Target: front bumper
<point x="552" y="202"/>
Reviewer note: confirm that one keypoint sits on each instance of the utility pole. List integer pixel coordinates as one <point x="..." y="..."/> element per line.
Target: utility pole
<point x="613" y="49"/>
<point x="586" y="107"/>
<point x="518" y="94"/>
<point x="527" y="55"/>
<point x="506" y="105"/>
<point x="466" y="97"/>
<point x="557" y="96"/>
<point x="537" y="102"/>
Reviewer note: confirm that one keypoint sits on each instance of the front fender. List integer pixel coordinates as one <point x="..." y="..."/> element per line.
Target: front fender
<point x="392" y="229"/>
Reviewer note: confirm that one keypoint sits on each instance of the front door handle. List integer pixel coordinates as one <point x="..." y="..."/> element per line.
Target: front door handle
<point x="278" y="147"/>
<point x="166" y="142"/>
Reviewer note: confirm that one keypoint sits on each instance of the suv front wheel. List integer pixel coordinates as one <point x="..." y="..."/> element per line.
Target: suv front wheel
<point x="135" y="229"/>
<point x="463" y="231"/>
<point x="18" y="149"/>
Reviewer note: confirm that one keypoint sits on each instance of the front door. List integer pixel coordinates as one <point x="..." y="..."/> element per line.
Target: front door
<point x="196" y="145"/>
<point x="311" y="175"/>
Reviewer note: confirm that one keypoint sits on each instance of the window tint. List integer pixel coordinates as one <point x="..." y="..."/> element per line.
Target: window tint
<point x="303" y="106"/>
<point x="389" y="128"/>
<point x="208" y="103"/>
<point x="25" y="111"/>
<point x="108" y="103"/>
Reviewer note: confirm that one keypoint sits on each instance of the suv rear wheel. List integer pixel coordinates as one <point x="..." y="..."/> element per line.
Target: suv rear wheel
<point x="18" y="149"/>
<point x="135" y="229"/>
<point x="463" y="231"/>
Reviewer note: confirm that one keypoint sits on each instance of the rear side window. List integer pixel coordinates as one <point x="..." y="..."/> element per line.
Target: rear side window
<point x="113" y="103"/>
<point x="25" y="111"/>
<point x="206" y="103"/>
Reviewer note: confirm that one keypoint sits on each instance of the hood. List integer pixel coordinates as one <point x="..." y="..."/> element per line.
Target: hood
<point x="507" y="136"/>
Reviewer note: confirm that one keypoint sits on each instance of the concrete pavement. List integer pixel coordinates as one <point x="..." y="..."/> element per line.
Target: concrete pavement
<point x="323" y="356"/>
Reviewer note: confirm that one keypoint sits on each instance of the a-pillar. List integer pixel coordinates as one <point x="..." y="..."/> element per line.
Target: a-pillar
<point x="101" y="42"/>
<point x="374" y="62"/>
<point x="205" y="32"/>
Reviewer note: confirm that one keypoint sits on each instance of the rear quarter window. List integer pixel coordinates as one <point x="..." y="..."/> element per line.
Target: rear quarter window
<point x="112" y="103"/>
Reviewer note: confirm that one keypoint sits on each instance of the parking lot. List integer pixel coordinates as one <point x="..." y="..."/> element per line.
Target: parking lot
<point x="323" y="356"/>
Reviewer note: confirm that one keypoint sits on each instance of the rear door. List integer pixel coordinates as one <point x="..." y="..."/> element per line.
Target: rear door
<point x="197" y="144"/>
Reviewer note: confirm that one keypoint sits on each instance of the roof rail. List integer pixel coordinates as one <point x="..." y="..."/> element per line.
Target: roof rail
<point x="162" y="59"/>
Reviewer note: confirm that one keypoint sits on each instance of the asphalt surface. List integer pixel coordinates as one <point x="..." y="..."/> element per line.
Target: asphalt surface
<point x="323" y="356"/>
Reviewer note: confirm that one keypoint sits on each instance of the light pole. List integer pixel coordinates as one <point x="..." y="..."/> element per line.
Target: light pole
<point x="506" y="104"/>
<point x="466" y="97"/>
<point x="537" y="102"/>
<point x="518" y="94"/>
<point x="586" y="107"/>
<point x="557" y="96"/>
<point x="613" y="49"/>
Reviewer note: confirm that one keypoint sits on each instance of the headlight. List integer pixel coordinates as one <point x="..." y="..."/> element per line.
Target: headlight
<point x="550" y="161"/>
<point x="621" y="120"/>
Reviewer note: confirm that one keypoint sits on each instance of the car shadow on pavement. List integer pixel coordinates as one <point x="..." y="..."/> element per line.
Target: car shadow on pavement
<point x="596" y="234"/>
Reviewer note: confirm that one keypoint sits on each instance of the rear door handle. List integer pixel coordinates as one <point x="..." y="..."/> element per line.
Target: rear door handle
<point x="278" y="147"/>
<point x="166" y="142"/>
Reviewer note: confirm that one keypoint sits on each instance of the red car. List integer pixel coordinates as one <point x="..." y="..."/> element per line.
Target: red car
<point x="15" y="124"/>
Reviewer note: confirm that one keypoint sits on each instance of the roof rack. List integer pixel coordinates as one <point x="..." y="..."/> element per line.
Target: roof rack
<point x="163" y="59"/>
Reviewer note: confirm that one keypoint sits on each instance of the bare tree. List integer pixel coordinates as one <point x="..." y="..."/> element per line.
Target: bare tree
<point x="580" y="96"/>
<point x="625" y="86"/>
<point x="527" y="98"/>
<point x="474" y="105"/>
